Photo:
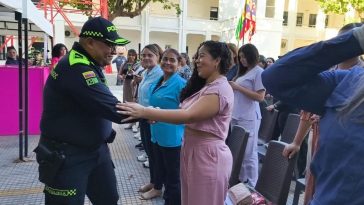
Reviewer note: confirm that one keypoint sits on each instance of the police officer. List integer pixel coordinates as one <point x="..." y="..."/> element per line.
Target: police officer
<point x="73" y="156"/>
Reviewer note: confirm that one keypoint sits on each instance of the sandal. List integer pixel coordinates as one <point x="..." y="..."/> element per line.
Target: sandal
<point x="151" y="194"/>
<point x="146" y="188"/>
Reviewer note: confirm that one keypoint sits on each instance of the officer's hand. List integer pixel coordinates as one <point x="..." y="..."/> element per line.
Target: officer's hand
<point x="134" y="110"/>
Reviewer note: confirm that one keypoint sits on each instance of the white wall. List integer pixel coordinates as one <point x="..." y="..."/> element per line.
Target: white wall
<point x="163" y="39"/>
<point x="157" y="9"/>
<point x="201" y="8"/>
<point x="133" y="36"/>
<point x="229" y="9"/>
<point x="193" y="41"/>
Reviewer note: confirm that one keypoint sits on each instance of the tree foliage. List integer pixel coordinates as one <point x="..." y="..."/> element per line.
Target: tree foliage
<point x="126" y="8"/>
<point x="342" y="6"/>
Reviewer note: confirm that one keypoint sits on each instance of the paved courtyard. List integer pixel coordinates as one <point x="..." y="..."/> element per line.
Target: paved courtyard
<point x="19" y="183"/>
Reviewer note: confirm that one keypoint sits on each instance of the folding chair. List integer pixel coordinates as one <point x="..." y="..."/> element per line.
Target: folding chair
<point x="238" y="139"/>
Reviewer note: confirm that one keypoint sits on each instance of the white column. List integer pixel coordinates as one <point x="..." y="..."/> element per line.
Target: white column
<point x="292" y="15"/>
<point x="59" y="36"/>
<point x="275" y="49"/>
<point x="182" y="36"/>
<point x="207" y="36"/>
<point x="279" y="9"/>
<point x="145" y="27"/>
<point x="261" y="4"/>
<point x="320" y="20"/>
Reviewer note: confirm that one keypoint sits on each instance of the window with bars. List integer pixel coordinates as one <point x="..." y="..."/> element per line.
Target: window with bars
<point x="214" y="13"/>
<point x="270" y="8"/>
<point x="285" y="18"/>
<point x="299" y="19"/>
<point x="312" y="20"/>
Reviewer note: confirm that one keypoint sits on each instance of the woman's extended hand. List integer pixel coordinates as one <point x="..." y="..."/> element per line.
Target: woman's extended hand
<point x="134" y="110"/>
<point x="290" y="150"/>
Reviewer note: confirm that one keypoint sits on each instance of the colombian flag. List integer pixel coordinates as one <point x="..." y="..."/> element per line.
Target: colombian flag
<point x="247" y="20"/>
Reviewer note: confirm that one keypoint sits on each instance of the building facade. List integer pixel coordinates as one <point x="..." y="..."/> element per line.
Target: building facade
<point x="282" y="25"/>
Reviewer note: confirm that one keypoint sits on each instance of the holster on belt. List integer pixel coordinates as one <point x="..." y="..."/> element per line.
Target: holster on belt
<point x="50" y="160"/>
<point x="111" y="137"/>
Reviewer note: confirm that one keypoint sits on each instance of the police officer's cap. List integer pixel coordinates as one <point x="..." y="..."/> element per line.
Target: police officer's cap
<point x="101" y="28"/>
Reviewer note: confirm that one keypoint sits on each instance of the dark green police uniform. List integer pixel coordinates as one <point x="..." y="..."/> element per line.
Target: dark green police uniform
<point x="76" y="125"/>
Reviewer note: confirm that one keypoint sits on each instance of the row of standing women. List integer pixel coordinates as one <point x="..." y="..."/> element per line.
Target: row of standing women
<point x="191" y="141"/>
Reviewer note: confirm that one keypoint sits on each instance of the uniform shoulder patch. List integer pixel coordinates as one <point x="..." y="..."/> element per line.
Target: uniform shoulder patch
<point x="78" y="58"/>
<point x="89" y="74"/>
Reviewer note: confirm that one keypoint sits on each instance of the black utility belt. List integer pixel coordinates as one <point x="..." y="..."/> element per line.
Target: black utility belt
<point x="63" y="147"/>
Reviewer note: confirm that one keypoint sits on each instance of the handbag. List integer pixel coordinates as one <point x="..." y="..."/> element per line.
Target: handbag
<point x="240" y="195"/>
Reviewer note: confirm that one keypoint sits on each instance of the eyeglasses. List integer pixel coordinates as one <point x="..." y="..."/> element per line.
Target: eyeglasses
<point x="108" y="43"/>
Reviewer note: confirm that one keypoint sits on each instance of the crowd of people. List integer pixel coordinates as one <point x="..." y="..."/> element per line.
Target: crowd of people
<point x="185" y="109"/>
<point x="36" y="57"/>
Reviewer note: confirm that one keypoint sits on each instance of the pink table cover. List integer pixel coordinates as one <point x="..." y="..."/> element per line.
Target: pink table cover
<point x="9" y="103"/>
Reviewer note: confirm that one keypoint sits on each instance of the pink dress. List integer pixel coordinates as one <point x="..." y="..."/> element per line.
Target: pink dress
<point x="206" y="163"/>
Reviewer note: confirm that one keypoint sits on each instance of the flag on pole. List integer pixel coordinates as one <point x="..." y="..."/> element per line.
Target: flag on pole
<point x="247" y="21"/>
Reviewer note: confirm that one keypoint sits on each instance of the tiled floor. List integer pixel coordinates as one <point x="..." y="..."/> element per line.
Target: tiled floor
<point x="19" y="183"/>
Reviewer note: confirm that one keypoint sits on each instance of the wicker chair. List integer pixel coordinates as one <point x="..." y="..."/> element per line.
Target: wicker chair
<point x="276" y="174"/>
<point x="238" y="139"/>
<point x="267" y="124"/>
<point x="290" y="129"/>
<point x="300" y="187"/>
<point x="288" y="134"/>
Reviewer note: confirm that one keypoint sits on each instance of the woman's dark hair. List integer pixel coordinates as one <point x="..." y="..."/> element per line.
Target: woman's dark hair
<point x="56" y="50"/>
<point x="156" y="49"/>
<point x="160" y="51"/>
<point x="175" y="52"/>
<point x="179" y="58"/>
<point x="233" y="49"/>
<point x="10" y="48"/>
<point x="263" y="61"/>
<point x="216" y="50"/>
<point x="251" y="55"/>
<point x="185" y="56"/>
<point x="134" y="53"/>
<point x="272" y="59"/>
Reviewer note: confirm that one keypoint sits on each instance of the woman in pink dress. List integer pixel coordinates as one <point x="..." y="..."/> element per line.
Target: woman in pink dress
<point x="206" y="108"/>
<point x="58" y="51"/>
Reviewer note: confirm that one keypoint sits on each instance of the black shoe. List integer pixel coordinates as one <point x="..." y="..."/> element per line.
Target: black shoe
<point x="139" y="145"/>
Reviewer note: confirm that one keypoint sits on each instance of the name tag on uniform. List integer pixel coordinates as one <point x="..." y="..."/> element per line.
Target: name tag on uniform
<point x="92" y="81"/>
<point x="89" y="74"/>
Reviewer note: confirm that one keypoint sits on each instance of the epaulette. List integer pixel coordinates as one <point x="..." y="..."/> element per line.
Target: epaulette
<point x="77" y="58"/>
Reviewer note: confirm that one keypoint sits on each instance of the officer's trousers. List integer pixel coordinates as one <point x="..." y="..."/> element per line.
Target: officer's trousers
<point x="83" y="173"/>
